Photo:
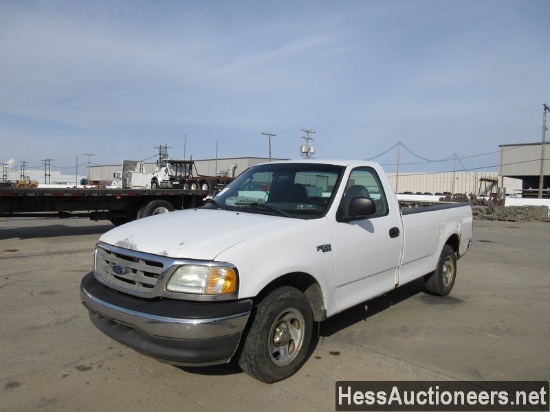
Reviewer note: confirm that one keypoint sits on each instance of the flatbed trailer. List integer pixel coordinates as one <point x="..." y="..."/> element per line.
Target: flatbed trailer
<point x="117" y="205"/>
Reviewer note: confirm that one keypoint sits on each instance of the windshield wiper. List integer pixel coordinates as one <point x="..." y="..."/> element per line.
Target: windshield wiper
<point x="268" y="208"/>
<point x="215" y="203"/>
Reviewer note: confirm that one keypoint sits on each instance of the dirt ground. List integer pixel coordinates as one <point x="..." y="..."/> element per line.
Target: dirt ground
<point x="495" y="325"/>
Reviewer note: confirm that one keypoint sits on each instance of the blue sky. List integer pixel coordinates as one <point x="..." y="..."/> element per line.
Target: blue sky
<point x="117" y="78"/>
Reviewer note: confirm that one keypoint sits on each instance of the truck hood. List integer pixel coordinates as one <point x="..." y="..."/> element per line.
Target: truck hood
<point x="195" y="234"/>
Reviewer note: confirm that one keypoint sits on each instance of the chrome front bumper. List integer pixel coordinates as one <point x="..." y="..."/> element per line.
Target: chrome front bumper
<point x="177" y="332"/>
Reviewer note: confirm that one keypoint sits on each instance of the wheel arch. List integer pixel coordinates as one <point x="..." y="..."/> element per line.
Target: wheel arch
<point x="454" y="242"/>
<point x="306" y="284"/>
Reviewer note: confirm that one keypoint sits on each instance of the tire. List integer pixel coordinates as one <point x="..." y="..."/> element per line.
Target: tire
<point x="186" y="186"/>
<point x="442" y="280"/>
<point x="204" y="185"/>
<point x="156" y="207"/>
<point x="194" y="186"/>
<point x="154" y="184"/>
<point x="279" y="338"/>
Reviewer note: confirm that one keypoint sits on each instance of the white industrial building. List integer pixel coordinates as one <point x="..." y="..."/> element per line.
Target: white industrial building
<point x="44" y="179"/>
<point x="459" y="182"/>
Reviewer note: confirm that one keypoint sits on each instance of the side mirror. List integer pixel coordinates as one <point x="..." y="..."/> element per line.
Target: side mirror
<point x="361" y="206"/>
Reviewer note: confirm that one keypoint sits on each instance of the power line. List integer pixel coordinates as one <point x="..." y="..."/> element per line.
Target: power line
<point x="383" y="153"/>
<point x="423" y="158"/>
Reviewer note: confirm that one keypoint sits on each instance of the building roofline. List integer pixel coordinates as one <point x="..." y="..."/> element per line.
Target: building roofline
<point x="520" y="144"/>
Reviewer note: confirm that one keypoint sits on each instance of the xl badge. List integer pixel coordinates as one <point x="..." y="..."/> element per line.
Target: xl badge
<point x="119" y="270"/>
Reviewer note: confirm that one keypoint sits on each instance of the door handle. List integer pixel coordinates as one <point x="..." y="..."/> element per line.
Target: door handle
<point x="394" y="232"/>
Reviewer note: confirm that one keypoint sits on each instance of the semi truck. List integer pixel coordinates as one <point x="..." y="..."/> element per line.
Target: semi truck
<point x="251" y="274"/>
<point x="176" y="173"/>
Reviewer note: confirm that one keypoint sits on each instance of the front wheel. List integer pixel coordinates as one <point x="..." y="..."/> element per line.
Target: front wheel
<point x="279" y="338"/>
<point x="442" y="280"/>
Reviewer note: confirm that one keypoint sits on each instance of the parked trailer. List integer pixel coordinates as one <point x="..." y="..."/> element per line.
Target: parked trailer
<point x="117" y="205"/>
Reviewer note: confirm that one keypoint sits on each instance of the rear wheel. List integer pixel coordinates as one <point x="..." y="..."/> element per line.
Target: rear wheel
<point x="204" y="186"/>
<point x="279" y="339"/>
<point x="442" y="280"/>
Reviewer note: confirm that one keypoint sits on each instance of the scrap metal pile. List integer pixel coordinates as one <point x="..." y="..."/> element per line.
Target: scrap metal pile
<point x="492" y="208"/>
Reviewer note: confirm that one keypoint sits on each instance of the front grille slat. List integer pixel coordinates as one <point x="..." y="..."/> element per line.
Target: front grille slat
<point x="129" y="272"/>
<point x="130" y="263"/>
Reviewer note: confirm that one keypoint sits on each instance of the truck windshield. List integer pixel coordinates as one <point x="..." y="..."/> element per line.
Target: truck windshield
<point x="300" y="190"/>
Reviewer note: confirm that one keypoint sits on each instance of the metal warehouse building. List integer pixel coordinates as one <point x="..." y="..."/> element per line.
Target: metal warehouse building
<point x="523" y="161"/>
<point x="458" y="182"/>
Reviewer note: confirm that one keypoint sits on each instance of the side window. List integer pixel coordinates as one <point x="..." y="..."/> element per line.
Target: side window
<point x="364" y="182"/>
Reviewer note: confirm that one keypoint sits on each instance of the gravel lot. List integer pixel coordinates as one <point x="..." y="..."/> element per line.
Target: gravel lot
<point x="495" y="325"/>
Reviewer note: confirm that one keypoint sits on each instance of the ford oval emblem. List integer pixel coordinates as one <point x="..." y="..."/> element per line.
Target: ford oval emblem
<point x="119" y="270"/>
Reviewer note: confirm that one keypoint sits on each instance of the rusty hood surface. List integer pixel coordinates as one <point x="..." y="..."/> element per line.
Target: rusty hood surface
<point x="193" y="234"/>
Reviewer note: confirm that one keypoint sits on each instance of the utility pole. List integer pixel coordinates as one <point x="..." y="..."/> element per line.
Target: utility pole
<point x="454" y="174"/>
<point x="184" y="146"/>
<point x="542" y="149"/>
<point x="88" y="172"/>
<point x="306" y="150"/>
<point x="163" y="152"/>
<point x="5" y="172"/>
<point x="23" y="163"/>
<point x="269" y="136"/>
<point x="398" y="160"/>
<point x="47" y="171"/>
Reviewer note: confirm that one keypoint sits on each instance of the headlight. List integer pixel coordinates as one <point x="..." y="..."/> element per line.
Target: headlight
<point x="206" y="280"/>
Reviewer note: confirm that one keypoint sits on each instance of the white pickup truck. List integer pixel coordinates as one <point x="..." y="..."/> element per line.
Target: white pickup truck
<point x="282" y="247"/>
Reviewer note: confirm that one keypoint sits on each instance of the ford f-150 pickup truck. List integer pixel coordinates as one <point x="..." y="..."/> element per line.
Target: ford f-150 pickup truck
<point x="248" y="276"/>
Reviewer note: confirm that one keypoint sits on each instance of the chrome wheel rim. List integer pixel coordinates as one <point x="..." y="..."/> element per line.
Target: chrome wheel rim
<point x="448" y="271"/>
<point x="160" y="210"/>
<point x="286" y="336"/>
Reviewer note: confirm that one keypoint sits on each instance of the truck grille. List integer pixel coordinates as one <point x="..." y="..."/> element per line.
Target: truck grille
<point x="132" y="272"/>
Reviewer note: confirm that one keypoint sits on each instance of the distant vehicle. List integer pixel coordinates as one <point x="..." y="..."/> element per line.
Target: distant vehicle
<point x="132" y="176"/>
<point x="428" y="194"/>
<point x="175" y="173"/>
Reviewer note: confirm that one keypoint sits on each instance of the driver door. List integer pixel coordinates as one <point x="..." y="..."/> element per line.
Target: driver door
<point x="367" y="250"/>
